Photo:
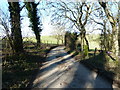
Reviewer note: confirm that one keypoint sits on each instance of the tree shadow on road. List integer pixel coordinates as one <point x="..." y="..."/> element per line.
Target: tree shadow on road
<point x="103" y="78"/>
<point x="55" y="62"/>
<point x="82" y="76"/>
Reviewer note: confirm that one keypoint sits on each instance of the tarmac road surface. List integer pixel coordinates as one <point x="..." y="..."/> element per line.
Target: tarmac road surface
<point x="62" y="71"/>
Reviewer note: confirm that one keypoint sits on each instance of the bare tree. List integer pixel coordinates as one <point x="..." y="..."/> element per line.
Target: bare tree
<point x="113" y="22"/>
<point x="4" y="22"/>
<point x="77" y="13"/>
<point x="59" y="33"/>
<point x="100" y="19"/>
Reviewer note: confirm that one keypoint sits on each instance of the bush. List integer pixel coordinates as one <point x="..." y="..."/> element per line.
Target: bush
<point x="70" y="40"/>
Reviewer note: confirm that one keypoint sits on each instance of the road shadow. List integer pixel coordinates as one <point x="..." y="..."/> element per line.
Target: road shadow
<point x="55" y="56"/>
<point x="82" y="76"/>
<point x="103" y="78"/>
<point x="20" y="67"/>
<point x="55" y="59"/>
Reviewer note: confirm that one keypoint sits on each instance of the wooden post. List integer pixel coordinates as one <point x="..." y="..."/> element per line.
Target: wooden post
<point x="47" y="42"/>
<point x="95" y="51"/>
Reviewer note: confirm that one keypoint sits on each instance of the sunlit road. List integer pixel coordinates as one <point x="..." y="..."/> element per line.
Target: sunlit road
<point x="61" y="71"/>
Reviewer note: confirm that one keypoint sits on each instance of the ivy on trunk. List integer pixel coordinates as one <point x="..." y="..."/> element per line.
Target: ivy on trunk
<point x="34" y="19"/>
<point x="14" y="9"/>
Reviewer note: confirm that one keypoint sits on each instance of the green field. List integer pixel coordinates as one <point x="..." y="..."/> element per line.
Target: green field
<point x="49" y="39"/>
<point x="93" y="40"/>
<point x="44" y="39"/>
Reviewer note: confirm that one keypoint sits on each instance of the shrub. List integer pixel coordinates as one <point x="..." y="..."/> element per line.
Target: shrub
<point x="70" y="40"/>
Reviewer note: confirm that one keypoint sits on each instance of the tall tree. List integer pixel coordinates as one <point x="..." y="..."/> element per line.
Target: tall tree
<point x="113" y="22"/>
<point x="77" y="13"/>
<point x="34" y="19"/>
<point x="14" y="9"/>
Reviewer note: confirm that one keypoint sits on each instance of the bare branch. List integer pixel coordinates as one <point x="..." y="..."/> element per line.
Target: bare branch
<point x="22" y="7"/>
<point x="97" y="22"/>
<point x="111" y="19"/>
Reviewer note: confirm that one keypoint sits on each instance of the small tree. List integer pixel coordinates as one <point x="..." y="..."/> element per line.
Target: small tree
<point x="4" y="22"/>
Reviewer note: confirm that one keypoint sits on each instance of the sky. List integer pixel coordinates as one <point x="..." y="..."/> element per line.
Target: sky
<point x="26" y="31"/>
<point x="45" y="18"/>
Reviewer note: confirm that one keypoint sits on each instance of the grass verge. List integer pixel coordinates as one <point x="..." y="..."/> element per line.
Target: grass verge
<point x="101" y="64"/>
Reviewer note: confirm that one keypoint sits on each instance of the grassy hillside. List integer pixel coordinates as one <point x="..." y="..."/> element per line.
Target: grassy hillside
<point x="93" y="41"/>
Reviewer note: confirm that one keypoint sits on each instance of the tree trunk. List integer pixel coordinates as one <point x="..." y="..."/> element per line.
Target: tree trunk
<point x="114" y="28"/>
<point x="14" y="9"/>
<point x="34" y="20"/>
<point x="57" y="41"/>
<point x="65" y="40"/>
<point x="119" y="28"/>
<point x="10" y="41"/>
<point x="119" y="39"/>
<point x="82" y="45"/>
<point x="115" y="40"/>
<point x="105" y="37"/>
<point x="87" y="43"/>
<point x="38" y="39"/>
<point x="83" y="37"/>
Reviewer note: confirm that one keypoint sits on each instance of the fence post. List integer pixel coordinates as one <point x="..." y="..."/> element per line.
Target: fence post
<point x="47" y="42"/>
